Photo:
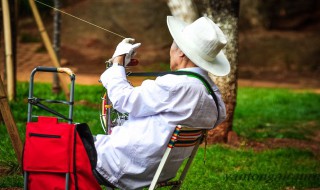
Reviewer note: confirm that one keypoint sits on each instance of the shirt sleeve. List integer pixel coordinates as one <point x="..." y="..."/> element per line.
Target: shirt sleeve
<point x="148" y="99"/>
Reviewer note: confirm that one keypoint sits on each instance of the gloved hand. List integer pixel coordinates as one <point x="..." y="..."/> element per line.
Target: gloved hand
<point x="126" y="47"/>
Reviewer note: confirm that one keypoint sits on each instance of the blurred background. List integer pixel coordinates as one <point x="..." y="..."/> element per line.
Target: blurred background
<point x="274" y="131"/>
<point x="278" y="39"/>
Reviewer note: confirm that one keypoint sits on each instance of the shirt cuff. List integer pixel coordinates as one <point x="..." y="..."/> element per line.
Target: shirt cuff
<point x="117" y="71"/>
<point x="114" y="72"/>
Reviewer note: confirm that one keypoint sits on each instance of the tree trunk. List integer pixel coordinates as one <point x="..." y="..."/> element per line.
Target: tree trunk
<point x="225" y="13"/>
<point x="183" y="9"/>
<point x="56" y="43"/>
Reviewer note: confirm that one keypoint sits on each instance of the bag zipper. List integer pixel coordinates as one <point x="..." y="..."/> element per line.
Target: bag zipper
<point x="44" y="135"/>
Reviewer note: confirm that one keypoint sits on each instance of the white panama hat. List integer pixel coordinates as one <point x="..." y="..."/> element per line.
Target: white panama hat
<point x="201" y="42"/>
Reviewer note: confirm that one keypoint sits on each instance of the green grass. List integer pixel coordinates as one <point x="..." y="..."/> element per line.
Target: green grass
<point x="228" y="168"/>
<point x="276" y="113"/>
<point x="261" y="113"/>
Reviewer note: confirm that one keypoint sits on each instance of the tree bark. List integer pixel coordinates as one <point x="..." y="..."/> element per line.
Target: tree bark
<point x="225" y="13"/>
<point x="183" y="9"/>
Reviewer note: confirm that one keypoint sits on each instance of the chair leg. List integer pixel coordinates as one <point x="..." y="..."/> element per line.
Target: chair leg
<point x="158" y="172"/>
<point x="187" y="166"/>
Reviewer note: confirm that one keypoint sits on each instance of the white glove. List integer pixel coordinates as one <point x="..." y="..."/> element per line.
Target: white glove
<point x="128" y="48"/>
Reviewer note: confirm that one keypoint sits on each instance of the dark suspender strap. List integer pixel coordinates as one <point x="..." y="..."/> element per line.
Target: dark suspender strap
<point x="188" y="73"/>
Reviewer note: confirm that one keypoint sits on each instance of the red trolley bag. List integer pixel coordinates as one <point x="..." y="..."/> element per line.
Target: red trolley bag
<point x="57" y="155"/>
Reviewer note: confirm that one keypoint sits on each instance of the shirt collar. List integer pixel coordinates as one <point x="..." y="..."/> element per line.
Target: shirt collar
<point x="203" y="73"/>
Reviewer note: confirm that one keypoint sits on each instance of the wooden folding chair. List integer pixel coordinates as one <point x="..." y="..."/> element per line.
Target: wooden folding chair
<point x="182" y="137"/>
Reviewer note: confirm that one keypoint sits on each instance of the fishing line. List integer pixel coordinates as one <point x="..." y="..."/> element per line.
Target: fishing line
<point x="79" y="18"/>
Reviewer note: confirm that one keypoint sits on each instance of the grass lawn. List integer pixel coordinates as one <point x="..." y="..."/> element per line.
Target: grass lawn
<point x="276" y="113"/>
<point x="261" y="114"/>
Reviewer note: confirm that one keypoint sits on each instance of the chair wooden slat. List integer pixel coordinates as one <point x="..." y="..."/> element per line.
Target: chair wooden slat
<point x="181" y="137"/>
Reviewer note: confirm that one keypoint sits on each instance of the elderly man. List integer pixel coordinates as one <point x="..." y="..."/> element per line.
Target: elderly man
<point x="129" y="157"/>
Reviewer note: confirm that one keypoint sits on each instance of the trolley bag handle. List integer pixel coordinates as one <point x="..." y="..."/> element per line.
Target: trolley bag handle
<point x="55" y="70"/>
<point x="33" y="101"/>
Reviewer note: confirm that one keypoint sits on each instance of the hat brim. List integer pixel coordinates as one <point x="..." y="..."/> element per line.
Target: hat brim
<point x="220" y="66"/>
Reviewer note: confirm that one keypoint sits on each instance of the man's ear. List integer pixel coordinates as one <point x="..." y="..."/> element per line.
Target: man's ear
<point x="180" y="53"/>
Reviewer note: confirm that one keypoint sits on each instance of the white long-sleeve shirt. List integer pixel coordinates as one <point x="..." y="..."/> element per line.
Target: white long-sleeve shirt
<point x="129" y="157"/>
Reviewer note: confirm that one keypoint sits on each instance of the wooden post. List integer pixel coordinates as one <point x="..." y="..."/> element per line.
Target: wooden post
<point x="56" y="43"/>
<point x="13" y="6"/>
<point x="8" y="49"/>
<point x="9" y="122"/>
<point x="48" y="45"/>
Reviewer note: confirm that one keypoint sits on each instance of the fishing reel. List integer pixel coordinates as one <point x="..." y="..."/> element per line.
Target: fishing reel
<point x="110" y="117"/>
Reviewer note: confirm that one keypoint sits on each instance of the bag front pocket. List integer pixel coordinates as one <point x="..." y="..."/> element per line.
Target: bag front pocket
<point x="49" y="148"/>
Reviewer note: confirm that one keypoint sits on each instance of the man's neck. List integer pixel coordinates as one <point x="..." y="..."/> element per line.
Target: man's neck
<point x="186" y="64"/>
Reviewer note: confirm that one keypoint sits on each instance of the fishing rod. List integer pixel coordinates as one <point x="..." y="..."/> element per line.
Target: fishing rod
<point x="75" y="17"/>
